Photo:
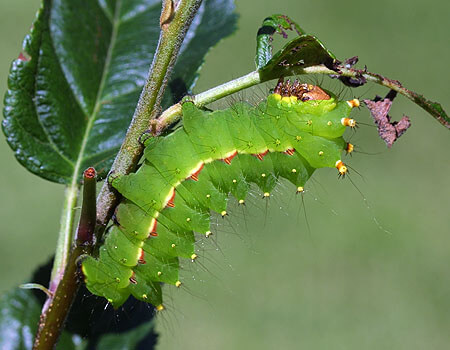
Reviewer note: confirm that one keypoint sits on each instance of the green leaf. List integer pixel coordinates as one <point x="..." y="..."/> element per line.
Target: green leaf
<point x="19" y="315"/>
<point x="301" y="52"/>
<point x="69" y="105"/>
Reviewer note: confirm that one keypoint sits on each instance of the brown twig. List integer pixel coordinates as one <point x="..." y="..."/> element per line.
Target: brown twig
<point x="57" y="306"/>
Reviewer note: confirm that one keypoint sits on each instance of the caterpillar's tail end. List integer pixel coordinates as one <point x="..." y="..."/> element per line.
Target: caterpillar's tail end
<point x="341" y="167"/>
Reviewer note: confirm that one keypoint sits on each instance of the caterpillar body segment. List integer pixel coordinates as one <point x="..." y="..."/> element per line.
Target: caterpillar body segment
<point x="192" y="171"/>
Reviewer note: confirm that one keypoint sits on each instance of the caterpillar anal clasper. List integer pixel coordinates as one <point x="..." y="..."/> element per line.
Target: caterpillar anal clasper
<point x="192" y="171"/>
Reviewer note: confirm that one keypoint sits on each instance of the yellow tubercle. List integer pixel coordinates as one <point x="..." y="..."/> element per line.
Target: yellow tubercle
<point x="194" y="256"/>
<point x="159" y="273"/>
<point x="241" y="201"/>
<point x="293" y="171"/>
<point x="266" y="194"/>
<point x="300" y="189"/>
<point x="277" y="96"/>
<point x="223" y="213"/>
<point x="208" y="233"/>
<point x="173" y="245"/>
<point x="286" y="100"/>
<point x="178" y="284"/>
<point x="160" y="307"/>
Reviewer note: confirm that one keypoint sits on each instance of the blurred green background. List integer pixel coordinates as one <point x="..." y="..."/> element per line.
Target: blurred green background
<point x="346" y="283"/>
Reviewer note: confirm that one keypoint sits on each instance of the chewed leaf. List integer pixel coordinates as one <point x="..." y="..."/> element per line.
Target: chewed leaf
<point x="270" y="26"/>
<point x="434" y="108"/>
<point x="299" y="53"/>
<point x="73" y="92"/>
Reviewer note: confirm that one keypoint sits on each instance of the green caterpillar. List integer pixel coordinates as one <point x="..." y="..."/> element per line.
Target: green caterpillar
<point x="193" y="170"/>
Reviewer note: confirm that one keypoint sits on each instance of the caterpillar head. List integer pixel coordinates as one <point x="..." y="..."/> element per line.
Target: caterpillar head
<point x="300" y="91"/>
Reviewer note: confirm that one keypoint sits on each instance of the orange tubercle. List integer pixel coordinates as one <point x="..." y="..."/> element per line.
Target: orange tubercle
<point x="354" y="103"/>
<point x="350" y="147"/>
<point x="348" y="122"/>
<point x="341" y="167"/>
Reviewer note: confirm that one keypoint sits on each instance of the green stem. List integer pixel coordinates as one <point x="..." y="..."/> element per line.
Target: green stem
<point x="173" y="113"/>
<point x="65" y="236"/>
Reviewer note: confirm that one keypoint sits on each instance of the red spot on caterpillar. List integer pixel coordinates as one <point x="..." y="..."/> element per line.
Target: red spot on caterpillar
<point x="228" y="159"/>
<point x="170" y="203"/>
<point x="260" y="156"/>
<point x="132" y="279"/>
<point x="290" y="151"/>
<point x="141" y="259"/>
<point x="194" y="176"/>
<point x="22" y="57"/>
<point x="153" y="232"/>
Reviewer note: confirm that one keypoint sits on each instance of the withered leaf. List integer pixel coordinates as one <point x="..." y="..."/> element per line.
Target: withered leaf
<point x="379" y="109"/>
